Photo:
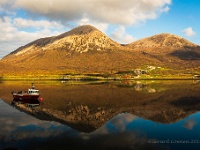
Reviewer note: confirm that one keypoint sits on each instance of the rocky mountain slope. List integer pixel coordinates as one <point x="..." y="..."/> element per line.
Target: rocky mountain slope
<point x="85" y="49"/>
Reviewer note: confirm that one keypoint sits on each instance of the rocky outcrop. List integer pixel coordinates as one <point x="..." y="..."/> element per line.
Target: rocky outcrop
<point x="92" y="41"/>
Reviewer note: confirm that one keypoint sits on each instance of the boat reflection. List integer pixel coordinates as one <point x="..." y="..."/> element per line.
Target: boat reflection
<point x="26" y="104"/>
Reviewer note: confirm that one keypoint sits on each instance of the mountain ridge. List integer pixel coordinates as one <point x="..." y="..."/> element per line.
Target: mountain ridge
<point x="155" y="41"/>
<point x="162" y="40"/>
<point x="85" y="49"/>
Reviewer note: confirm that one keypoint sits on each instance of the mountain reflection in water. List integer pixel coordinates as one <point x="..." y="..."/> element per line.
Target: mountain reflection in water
<point x="160" y="115"/>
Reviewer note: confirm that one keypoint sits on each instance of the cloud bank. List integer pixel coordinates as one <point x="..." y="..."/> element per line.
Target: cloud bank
<point x="112" y="12"/>
<point x="18" y="32"/>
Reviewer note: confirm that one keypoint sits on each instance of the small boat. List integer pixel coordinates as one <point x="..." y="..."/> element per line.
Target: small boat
<point x="32" y="93"/>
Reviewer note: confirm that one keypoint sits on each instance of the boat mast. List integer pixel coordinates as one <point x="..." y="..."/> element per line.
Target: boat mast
<point x="33" y="87"/>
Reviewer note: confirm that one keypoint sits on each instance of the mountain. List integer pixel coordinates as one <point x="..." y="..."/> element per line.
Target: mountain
<point x="73" y="51"/>
<point x="164" y="40"/>
<point x="79" y="40"/>
<point x="168" y="48"/>
<point x="85" y="49"/>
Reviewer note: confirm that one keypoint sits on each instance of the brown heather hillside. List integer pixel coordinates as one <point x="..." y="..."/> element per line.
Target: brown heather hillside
<point x="173" y="50"/>
<point x="164" y="40"/>
<point x="87" y="50"/>
<point x="168" y="44"/>
<point x="164" y="44"/>
<point x="6" y="68"/>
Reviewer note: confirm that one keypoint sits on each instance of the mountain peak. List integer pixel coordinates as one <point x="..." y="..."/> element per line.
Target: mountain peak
<point x="162" y="40"/>
<point x="81" y="30"/>
<point x="78" y="40"/>
<point x="84" y="29"/>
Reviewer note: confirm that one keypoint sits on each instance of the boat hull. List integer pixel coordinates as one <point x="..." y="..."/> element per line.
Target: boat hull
<point x="25" y="96"/>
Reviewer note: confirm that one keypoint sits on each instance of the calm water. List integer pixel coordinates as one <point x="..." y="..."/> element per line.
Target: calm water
<point x="119" y="115"/>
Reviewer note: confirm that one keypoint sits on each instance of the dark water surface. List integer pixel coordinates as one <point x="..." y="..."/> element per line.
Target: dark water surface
<point x="119" y="115"/>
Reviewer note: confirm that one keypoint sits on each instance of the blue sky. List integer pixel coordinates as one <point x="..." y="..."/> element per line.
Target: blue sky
<point x="22" y="21"/>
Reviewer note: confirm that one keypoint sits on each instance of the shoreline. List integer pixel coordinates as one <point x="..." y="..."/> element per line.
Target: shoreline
<point x="91" y="78"/>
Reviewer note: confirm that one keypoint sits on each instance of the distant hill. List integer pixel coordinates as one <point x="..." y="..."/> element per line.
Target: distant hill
<point x="168" y="48"/>
<point x="164" y="40"/>
<point x="85" y="49"/>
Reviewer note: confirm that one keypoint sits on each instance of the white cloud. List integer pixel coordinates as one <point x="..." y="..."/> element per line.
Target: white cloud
<point x="112" y="11"/>
<point x="10" y="32"/>
<point x="122" y="120"/>
<point x="189" y="32"/>
<point x="165" y="9"/>
<point x="101" y="26"/>
<point x="6" y="7"/>
<point x="27" y="23"/>
<point x="121" y="36"/>
<point x="189" y="124"/>
<point x="11" y="37"/>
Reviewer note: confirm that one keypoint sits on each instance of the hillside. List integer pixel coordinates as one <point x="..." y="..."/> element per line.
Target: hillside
<point x="164" y="40"/>
<point x="85" y="49"/>
<point x="6" y="68"/>
<point x="169" y="48"/>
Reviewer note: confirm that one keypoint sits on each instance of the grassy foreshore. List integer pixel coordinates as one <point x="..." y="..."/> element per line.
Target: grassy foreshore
<point x="95" y="77"/>
<point x="145" y="72"/>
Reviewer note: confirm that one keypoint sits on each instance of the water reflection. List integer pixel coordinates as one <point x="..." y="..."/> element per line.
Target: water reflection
<point x="124" y="131"/>
<point x="143" y="86"/>
<point x="17" y="129"/>
<point x="30" y="103"/>
<point x="136" y="115"/>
